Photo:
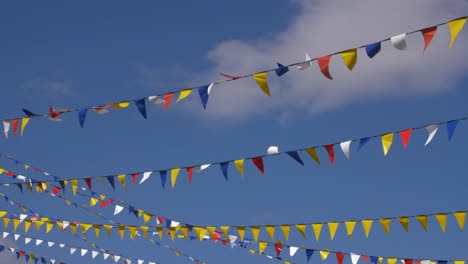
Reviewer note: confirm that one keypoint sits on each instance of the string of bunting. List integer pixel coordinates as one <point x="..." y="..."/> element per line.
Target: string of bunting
<point x="348" y="56"/>
<point x="20" y="254"/>
<point x="386" y="141"/>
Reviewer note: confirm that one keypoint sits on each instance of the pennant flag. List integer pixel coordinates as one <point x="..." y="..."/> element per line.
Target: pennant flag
<point x="82" y="116"/>
<point x="174" y="173"/>
<point x="309" y="253"/>
<point x="350" y="227"/>
<point x="349" y="58"/>
<point x="302" y="229"/>
<point x="273" y="150"/>
<point x="332" y="227"/>
<point x="405" y="135"/>
<point x="74" y="184"/>
<point x="29" y="113"/>
<point x="258" y="161"/>
<point x="323" y="63"/>
<point x="387" y="140"/>
<point x="155" y="99"/>
<point x="281" y="70"/>
<point x="271" y="231"/>
<point x="110" y="179"/>
<point x="261" y="79"/>
<point x="163" y="175"/>
<point x="292" y="250"/>
<point x="141" y="106"/>
<point x="451" y="126"/>
<point x="385" y="222"/>
<point x="432" y="130"/>
<point x="331" y="153"/>
<point x="15" y="123"/>
<point x="224" y="168"/>
<point x="313" y="154"/>
<point x="255" y="232"/>
<point x="354" y="258"/>
<point x="88" y="183"/>
<point x="285" y="229"/>
<point x="391" y="260"/>
<point x="278" y="248"/>
<point x="339" y="257"/>
<point x="183" y="94"/>
<point x="422" y="219"/>
<point x="6" y="127"/>
<point x="24" y="123"/>
<point x="121" y="179"/>
<point x="460" y="216"/>
<point x="240" y="166"/>
<point x="295" y="156"/>
<point x="404" y="221"/>
<point x="167" y="100"/>
<point x="442" y="219"/>
<point x="304" y="65"/>
<point x="345" y="148"/>
<point x="399" y="42"/>
<point x="428" y="34"/>
<point x="373" y="49"/>
<point x="317" y="230"/>
<point x="261" y="247"/>
<point x="203" y="92"/>
<point x="324" y="254"/>
<point x="225" y="230"/>
<point x="455" y="26"/>
<point x="189" y="173"/>
<point x="362" y="142"/>
<point x="367" y="225"/>
<point x="241" y="231"/>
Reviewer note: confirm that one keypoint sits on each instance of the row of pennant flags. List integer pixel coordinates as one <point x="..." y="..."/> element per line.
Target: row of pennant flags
<point x="386" y="139"/>
<point x="348" y="56"/>
<point x="20" y="254"/>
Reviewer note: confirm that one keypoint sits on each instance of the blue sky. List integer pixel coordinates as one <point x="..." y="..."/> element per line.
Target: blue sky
<point x="76" y="55"/>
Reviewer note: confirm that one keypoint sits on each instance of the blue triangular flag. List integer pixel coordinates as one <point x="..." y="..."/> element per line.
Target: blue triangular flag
<point x="82" y="116"/>
<point x="62" y="184"/>
<point x="224" y="168"/>
<point x="295" y="156"/>
<point x="374" y="259"/>
<point x="362" y="142"/>
<point x="140" y="104"/>
<point x="2" y="248"/>
<point x="110" y="179"/>
<point x="372" y="49"/>
<point x="20" y="186"/>
<point x="281" y="69"/>
<point x="203" y="92"/>
<point x="36" y="260"/>
<point x="442" y="262"/>
<point x="190" y="227"/>
<point x="451" y="128"/>
<point x="43" y="260"/>
<point x="17" y="255"/>
<point x="93" y="193"/>
<point x="309" y="253"/>
<point x="163" y="175"/>
<point x="26" y="257"/>
<point x="29" y="113"/>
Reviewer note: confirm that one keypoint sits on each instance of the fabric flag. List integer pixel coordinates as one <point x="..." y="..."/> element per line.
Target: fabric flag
<point x="363" y="142"/>
<point x="302" y="229"/>
<point x="110" y="179"/>
<point x="324" y="63"/>
<point x="141" y="106"/>
<point x="146" y="175"/>
<point x="261" y="247"/>
<point x="373" y="49"/>
<point x="367" y="225"/>
<point x="331" y="153"/>
<point x="155" y="99"/>
<point x="399" y="42"/>
<point x="285" y="229"/>
<point x="317" y="230"/>
<point x="6" y="127"/>
<point x="174" y="173"/>
<point x="224" y="169"/>
<point x="295" y="156"/>
<point x="385" y="222"/>
<point x="281" y="70"/>
<point x="428" y="35"/>
<point x="258" y="161"/>
<point x="121" y="179"/>
<point x="15" y="124"/>
<point x="163" y="175"/>
<point x="354" y="258"/>
<point x="241" y="232"/>
<point x="422" y="219"/>
<point x="189" y="173"/>
<point x="404" y="221"/>
<point x="309" y="253"/>
<point x="273" y="150"/>
<point x="432" y="130"/>
<point x="167" y="100"/>
<point x="313" y="154"/>
<point x="240" y="166"/>
<point x="271" y="231"/>
<point x="306" y="64"/>
<point x="278" y="248"/>
<point x="324" y="254"/>
<point x="451" y="126"/>
<point x="255" y="232"/>
<point x="387" y="141"/>
<point x="82" y="116"/>
<point x="350" y="227"/>
<point x="261" y="79"/>
<point x="184" y="94"/>
<point x="332" y="227"/>
<point x="292" y="250"/>
<point x="24" y="123"/>
<point x="349" y="58"/>
<point x="460" y="216"/>
<point x="339" y="257"/>
<point x="345" y="148"/>
<point x="203" y="92"/>
<point x="405" y="135"/>
<point x="455" y="26"/>
<point x="29" y="113"/>
<point x="442" y="219"/>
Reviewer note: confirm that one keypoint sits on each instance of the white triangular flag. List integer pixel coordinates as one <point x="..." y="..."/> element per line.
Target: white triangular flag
<point x="146" y="175"/>
<point x="22" y="217"/>
<point x="94" y="253"/>
<point x="72" y="250"/>
<point x="304" y="65"/>
<point x="61" y="245"/>
<point x="39" y="241"/>
<point x="432" y="130"/>
<point x="355" y="258"/>
<point x="141" y="261"/>
<point x="50" y="244"/>
<point x="292" y="250"/>
<point x="345" y="148"/>
<point x="6" y="127"/>
<point x="273" y="150"/>
<point x="52" y="261"/>
<point x="16" y="236"/>
<point x="116" y="258"/>
<point x="65" y="224"/>
<point x="21" y="177"/>
<point x="174" y="223"/>
<point x="118" y="209"/>
<point x="83" y="251"/>
<point x="27" y="240"/>
<point x="156" y="99"/>
<point x="105" y="255"/>
<point x="12" y="249"/>
<point x="209" y="88"/>
<point x="232" y="239"/>
<point x="5" y="234"/>
<point x="204" y="167"/>
<point x="399" y="42"/>
<point x="425" y="261"/>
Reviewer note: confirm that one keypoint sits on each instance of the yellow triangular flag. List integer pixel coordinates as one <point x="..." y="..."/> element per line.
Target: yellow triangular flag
<point x="121" y="230"/>
<point x="74" y="183"/>
<point x="2" y="213"/>
<point x="6" y="222"/>
<point x="391" y="260"/>
<point x="144" y="230"/>
<point x="159" y="230"/>
<point x="201" y="232"/>
<point x="146" y="217"/>
<point x="255" y="232"/>
<point x="252" y="251"/>
<point x="455" y="27"/>
<point x="404" y="221"/>
<point x="24" y="122"/>
<point x="97" y="230"/>
<point x="174" y="173"/>
<point x="324" y="254"/>
<point x="225" y="230"/>
<point x="93" y="201"/>
<point x="317" y="230"/>
<point x="211" y="230"/>
<point x="73" y="227"/>
<point x="380" y="260"/>
<point x="313" y="154"/>
<point x="302" y="229"/>
<point x="49" y="226"/>
<point x="241" y="231"/>
<point x="26" y="166"/>
<point x="27" y="225"/>
<point x="16" y="222"/>
<point x="423" y="221"/>
<point x="332" y="227"/>
<point x="133" y="231"/>
<point x="184" y="231"/>
<point x="121" y="178"/>
<point x="459" y="262"/>
<point x="349" y="58"/>
<point x="108" y="229"/>
<point x="350" y="227"/>
<point x="261" y="79"/>
<point x="38" y="223"/>
<point x="60" y="225"/>
<point x="271" y="231"/>
<point x="172" y="231"/>
<point x="367" y="225"/>
<point x="261" y="247"/>
<point x="103" y="197"/>
<point x="285" y="229"/>
<point x="240" y="166"/>
<point x="183" y="94"/>
<point x="460" y="216"/>
<point x="442" y="219"/>
<point x="385" y="222"/>
<point x="387" y="141"/>
<point x="85" y="228"/>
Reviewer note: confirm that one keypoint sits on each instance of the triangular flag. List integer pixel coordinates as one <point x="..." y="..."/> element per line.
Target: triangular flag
<point x="405" y="135"/>
<point x="324" y="254"/>
<point x="285" y="229"/>
<point x="404" y="221"/>
<point x="6" y="127"/>
<point x="167" y="100"/>
<point x="339" y="257"/>
<point x="261" y="247"/>
<point x="432" y="130"/>
<point x="82" y="116"/>
<point x="110" y="179"/>
<point x="225" y="230"/>
<point x="24" y="122"/>
<point x="74" y="184"/>
<point x="387" y="141"/>
<point x="118" y="209"/>
<point x="345" y="148"/>
<point x="15" y="123"/>
<point x="304" y="65"/>
<point x="428" y="34"/>
<point x="141" y="106"/>
<point x="460" y="216"/>
<point x="442" y="219"/>
<point x="309" y="253"/>
<point x="373" y="49"/>
<point x="174" y="173"/>
<point x="295" y="156"/>
<point x="455" y="26"/>
<point x="190" y="173"/>
<point x="422" y="219"/>
<point x="385" y="222"/>
<point x="331" y="153"/>
<point x="163" y="175"/>
<point x="121" y="179"/>
<point x="146" y="175"/>
<point x="350" y="227"/>
<point x="241" y="231"/>
<point x="240" y="166"/>
<point x="292" y="250"/>
<point x="324" y="63"/>
<point x="317" y="230"/>
<point x="332" y="227"/>
<point x="258" y="161"/>
<point x="203" y="92"/>
<point x="224" y="169"/>
<point x="183" y="94"/>
<point x="363" y="142"/>
<point x="261" y="79"/>
<point x="399" y="42"/>
<point x="302" y="229"/>
<point x="281" y="70"/>
<point x="367" y="225"/>
<point x="349" y="58"/>
<point x="313" y="154"/>
<point x="271" y="231"/>
<point x="354" y="258"/>
<point x="255" y="232"/>
<point x="391" y="260"/>
<point x="451" y="126"/>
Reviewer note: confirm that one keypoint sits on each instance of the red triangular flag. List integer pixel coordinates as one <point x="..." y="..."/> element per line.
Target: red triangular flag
<point x="278" y="248"/>
<point x="14" y="124"/>
<point x="331" y="153"/>
<point x="104" y="204"/>
<point x="88" y="182"/>
<point x="364" y="258"/>
<point x="160" y="219"/>
<point x="36" y="170"/>
<point x="224" y="242"/>
<point x="111" y="200"/>
<point x="258" y="161"/>
<point x="134" y="177"/>
<point x="408" y="261"/>
<point x="56" y="190"/>
<point x="323" y="64"/>
<point x="189" y="172"/>
<point x="405" y="135"/>
<point x="216" y="236"/>
<point x="428" y="34"/>
<point x="167" y="100"/>
<point x="339" y="257"/>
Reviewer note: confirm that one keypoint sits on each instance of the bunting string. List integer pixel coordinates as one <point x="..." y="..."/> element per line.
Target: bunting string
<point x="20" y="254"/>
<point x="349" y="57"/>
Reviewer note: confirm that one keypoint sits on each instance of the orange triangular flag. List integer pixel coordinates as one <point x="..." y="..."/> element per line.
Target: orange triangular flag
<point x="428" y="34"/>
<point x="167" y="100"/>
<point x="323" y="63"/>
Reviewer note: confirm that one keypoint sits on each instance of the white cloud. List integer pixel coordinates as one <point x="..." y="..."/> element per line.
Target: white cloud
<point x="324" y="27"/>
<point x="49" y="86"/>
